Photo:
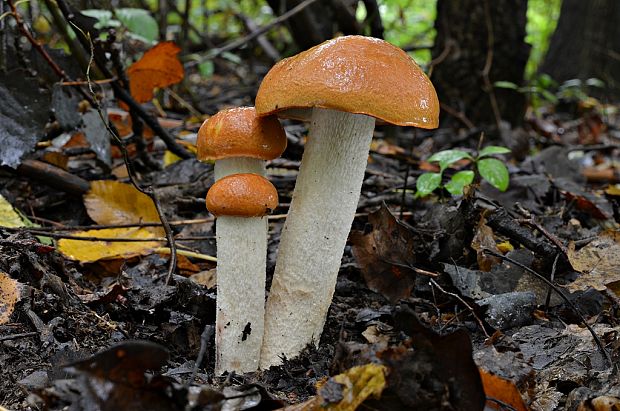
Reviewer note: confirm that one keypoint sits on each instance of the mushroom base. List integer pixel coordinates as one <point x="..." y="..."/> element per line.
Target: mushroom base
<point x="316" y="230"/>
<point x="241" y="261"/>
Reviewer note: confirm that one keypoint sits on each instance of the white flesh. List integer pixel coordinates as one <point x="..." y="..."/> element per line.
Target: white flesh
<point x="241" y="261"/>
<point x="315" y="233"/>
<point x="236" y="165"/>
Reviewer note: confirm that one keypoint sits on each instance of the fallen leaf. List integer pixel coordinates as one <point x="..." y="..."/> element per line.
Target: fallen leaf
<point x="113" y="202"/>
<point x="159" y="67"/>
<point x="385" y="255"/>
<point x="91" y="251"/>
<point x="484" y="238"/>
<point x="9" y="295"/>
<point x="346" y="391"/>
<point x="503" y="390"/>
<point x="598" y="262"/>
<point x="8" y="216"/>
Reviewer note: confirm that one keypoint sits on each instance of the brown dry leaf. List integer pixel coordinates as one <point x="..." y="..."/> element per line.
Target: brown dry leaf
<point x="599" y="262"/>
<point x="385" y="255"/>
<point x="91" y="251"/>
<point x="112" y="202"/>
<point x="159" y="67"/>
<point x="346" y="391"/>
<point x="9" y="295"/>
<point x="484" y="238"/>
<point x="503" y="390"/>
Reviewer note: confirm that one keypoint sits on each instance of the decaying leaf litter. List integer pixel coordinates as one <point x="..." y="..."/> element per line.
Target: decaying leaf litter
<point x="432" y="293"/>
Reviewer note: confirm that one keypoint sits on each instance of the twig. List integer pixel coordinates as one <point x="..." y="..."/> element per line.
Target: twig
<point x="18" y="336"/>
<point x="469" y="307"/>
<point x="243" y="40"/>
<point x="547" y="234"/>
<point x="205" y="338"/>
<point x="561" y="294"/>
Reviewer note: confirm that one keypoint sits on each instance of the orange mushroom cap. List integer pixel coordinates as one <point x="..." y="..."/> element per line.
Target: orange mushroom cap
<point x="242" y="195"/>
<point x="357" y="74"/>
<point x="238" y="132"/>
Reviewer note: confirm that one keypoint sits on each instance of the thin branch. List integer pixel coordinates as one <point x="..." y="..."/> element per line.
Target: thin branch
<point x="488" y="64"/>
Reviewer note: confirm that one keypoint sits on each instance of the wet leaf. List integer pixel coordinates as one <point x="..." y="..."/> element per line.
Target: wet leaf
<point x="159" y="67"/>
<point x="598" y="262"/>
<point x="385" y="255"/>
<point x="139" y="22"/>
<point x="91" y="251"/>
<point x="495" y="172"/>
<point x="458" y="182"/>
<point x="112" y="202"/>
<point x="447" y="157"/>
<point x="491" y="150"/>
<point x="427" y="183"/>
<point x="9" y="295"/>
<point x="503" y="390"/>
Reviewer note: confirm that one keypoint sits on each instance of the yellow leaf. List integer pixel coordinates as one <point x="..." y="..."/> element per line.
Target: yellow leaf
<point x="9" y="295"/>
<point x="112" y="202"/>
<point x="355" y="385"/>
<point x="8" y="216"/>
<point x="91" y="251"/>
<point x="159" y="67"/>
<point x="170" y="158"/>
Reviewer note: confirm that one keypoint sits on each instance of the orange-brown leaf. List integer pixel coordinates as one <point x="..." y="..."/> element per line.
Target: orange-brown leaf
<point x="502" y="390"/>
<point x="159" y="67"/>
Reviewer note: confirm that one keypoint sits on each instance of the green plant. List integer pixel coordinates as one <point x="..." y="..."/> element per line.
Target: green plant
<point x="490" y="169"/>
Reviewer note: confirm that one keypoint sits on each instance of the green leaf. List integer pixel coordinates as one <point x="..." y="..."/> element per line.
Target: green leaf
<point x="139" y="22"/>
<point x="458" y="182"/>
<point x="506" y="84"/>
<point x="595" y="82"/>
<point x="495" y="172"/>
<point x="447" y="157"/>
<point x="427" y="183"/>
<point x="104" y="18"/>
<point x="490" y="150"/>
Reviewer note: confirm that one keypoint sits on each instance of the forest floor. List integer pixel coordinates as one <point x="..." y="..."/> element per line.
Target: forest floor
<point x="438" y="290"/>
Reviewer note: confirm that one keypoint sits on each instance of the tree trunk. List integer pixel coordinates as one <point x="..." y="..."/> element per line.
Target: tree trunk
<point x="479" y="43"/>
<point x="586" y="44"/>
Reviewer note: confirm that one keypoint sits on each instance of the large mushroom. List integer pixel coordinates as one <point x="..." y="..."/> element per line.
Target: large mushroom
<point x="239" y="142"/>
<point x="240" y="202"/>
<point x="342" y="86"/>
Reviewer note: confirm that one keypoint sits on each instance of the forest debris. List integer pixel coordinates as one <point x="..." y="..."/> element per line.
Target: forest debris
<point x="159" y="67"/>
<point x="386" y="255"/>
<point x="8" y="216"/>
<point x="598" y="262"/>
<point x="97" y="135"/>
<point x="9" y="296"/>
<point x="484" y="238"/>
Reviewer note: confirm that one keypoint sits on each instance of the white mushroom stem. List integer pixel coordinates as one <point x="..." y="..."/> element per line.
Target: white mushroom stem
<point x="241" y="265"/>
<point x="241" y="261"/>
<point x="235" y="165"/>
<point x="315" y="233"/>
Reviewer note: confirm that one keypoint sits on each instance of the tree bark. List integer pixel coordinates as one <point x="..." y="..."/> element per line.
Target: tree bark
<point x="479" y="43"/>
<point x="586" y="44"/>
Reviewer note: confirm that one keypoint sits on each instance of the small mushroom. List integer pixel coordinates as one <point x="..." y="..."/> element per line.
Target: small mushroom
<point x="342" y="86"/>
<point x="240" y="202"/>
<point x="239" y="141"/>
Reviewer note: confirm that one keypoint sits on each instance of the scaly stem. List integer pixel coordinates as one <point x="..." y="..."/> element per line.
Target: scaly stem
<point x="316" y="230"/>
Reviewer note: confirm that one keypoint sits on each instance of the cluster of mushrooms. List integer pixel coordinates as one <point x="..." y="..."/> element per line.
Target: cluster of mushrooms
<point x="342" y="86"/>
